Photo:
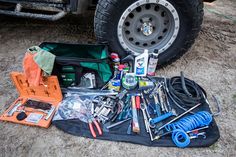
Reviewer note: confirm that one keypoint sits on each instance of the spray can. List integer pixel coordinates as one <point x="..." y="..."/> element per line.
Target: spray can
<point x="141" y="64"/>
<point x="152" y="65"/>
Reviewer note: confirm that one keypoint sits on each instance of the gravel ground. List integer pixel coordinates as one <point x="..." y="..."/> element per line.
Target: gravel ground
<point x="211" y="62"/>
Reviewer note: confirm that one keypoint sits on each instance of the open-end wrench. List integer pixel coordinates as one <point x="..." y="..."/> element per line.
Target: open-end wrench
<point x="146" y="122"/>
<point x="145" y="106"/>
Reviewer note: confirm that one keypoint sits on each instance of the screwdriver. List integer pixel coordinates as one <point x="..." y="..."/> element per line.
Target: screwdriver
<point x="135" y="123"/>
<point x="137" y="100"/>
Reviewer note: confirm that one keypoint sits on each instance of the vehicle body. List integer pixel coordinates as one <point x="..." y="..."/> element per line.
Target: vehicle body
<point x="128" y="26"/>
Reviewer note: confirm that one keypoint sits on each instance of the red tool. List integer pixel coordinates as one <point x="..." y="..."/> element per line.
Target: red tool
<point x="85" y="115"/>
<point x="135" y="123"/>
<point x="91" y="122"/>
<point x="137" y="100"/>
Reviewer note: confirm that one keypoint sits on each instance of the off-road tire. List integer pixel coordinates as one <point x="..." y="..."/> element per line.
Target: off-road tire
<point x="108" y="13"/>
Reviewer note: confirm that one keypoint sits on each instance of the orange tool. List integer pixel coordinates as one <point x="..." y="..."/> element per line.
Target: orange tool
<point x="48" y="92"/>
<point x="91" y="122"/>
<point x="137" y="100"/>
<point x="135" y="123"/>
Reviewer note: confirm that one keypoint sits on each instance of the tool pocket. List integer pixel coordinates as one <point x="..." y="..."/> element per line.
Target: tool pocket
<point x="80" y="65"/>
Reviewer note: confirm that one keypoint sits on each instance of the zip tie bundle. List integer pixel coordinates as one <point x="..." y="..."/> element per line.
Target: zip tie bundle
<point x="189" y="123"/>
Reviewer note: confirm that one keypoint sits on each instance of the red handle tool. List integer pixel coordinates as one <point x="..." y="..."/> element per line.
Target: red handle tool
<point x="137" y="100"/>
<point x="92" y="129"/>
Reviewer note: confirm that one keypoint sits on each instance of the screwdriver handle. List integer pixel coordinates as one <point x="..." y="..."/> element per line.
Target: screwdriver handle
<point x="160" y="118"/>
<point x="135" y="123"/>
<point x="137" y="100"/>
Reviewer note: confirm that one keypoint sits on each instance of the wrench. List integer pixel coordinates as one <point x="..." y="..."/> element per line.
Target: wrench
<point x="145" y="116"/>
<point x="146" y="122"/>
<point x="155" y="97"/>
<point x="145" y="105"/>
<point x="161" y="99"/>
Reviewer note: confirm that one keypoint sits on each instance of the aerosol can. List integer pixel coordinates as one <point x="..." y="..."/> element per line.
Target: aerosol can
<point x="152" y="65"/>
<point x="141" y="64"/>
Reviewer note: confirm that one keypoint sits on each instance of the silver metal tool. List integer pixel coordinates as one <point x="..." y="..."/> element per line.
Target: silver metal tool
<point x="203" y="134"/>
<point x="118" y="123"/>
<point x="154" y="91"/>
<point x="165" y="101"/>
<point x="13" y="110"/>
<point x="122" y="94"/>
<point x="155" y="97"/>
<point x="146" y="121"/>
<point x="161" y="99"/>
<point x="50" y="112"/>
<point x="163" y="126"/>
<point x="165" y="91"/>
<point x="198" y="129"/>
<point x="145" y="104"/>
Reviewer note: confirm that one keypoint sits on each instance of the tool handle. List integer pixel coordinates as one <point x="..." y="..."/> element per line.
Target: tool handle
<point x="137" y="100"/>
<point x="92" y="130"/>
<point x="135" y="116"/>
<point x="176" y="118"/>
<point x="133" y="102"/>
<point x="160" y="118"/>
<point x="98" y="127"/>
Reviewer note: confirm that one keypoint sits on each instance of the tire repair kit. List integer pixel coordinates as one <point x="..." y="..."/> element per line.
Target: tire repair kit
<point x="165" y="105"/>
<point x="36" y="105"/>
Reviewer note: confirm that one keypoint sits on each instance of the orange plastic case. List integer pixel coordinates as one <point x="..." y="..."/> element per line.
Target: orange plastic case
<point x="49" y="92"/>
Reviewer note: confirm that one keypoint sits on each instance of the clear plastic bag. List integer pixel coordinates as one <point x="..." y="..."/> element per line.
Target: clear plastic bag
<point x="78" y="104"/>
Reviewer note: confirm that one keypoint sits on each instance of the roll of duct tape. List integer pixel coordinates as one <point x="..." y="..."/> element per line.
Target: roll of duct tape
<point x="130" y="81"/>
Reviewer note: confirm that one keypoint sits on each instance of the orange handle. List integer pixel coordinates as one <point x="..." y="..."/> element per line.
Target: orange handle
<point x="137" y="99"/>
<point x="98" y="127"/>
<point x="92" y="130"/>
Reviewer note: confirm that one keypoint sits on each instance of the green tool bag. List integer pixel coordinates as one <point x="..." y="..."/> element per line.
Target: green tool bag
<point x="75" y="60"/>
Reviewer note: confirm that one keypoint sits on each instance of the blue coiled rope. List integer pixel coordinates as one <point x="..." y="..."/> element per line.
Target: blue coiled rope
<point x="179" y="129"/>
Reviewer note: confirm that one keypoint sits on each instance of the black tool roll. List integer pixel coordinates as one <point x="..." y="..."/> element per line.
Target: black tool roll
<point x="119" y="133"/>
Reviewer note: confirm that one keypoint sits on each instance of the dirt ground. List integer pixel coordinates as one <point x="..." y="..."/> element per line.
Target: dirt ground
<point x="211" y="62"/>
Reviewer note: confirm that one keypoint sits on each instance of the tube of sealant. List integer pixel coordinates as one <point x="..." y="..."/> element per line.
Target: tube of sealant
<point x="152" y="65"/>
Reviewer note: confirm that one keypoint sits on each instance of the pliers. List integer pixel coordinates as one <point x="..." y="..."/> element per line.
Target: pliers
<point x="91" y="121"/>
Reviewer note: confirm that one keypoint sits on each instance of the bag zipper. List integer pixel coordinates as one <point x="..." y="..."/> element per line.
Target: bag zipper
<point x="74" y="59"/>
